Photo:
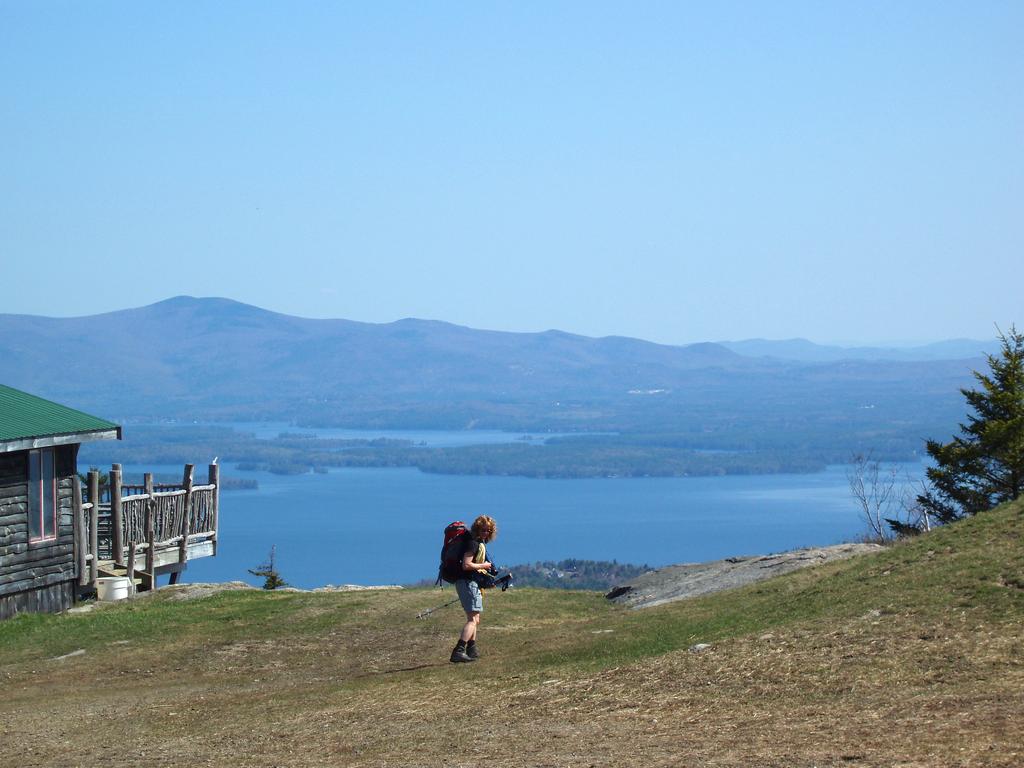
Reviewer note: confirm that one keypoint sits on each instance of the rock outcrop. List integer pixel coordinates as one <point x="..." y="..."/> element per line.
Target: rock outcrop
<point x="678" y="582"/>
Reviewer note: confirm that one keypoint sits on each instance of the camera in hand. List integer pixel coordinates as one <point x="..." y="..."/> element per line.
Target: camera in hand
<point x="489" y="579"/>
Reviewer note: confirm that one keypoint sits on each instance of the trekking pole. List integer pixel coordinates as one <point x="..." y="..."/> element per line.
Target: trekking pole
<point x="438" y="608"/>
<point x="503" y="581"/>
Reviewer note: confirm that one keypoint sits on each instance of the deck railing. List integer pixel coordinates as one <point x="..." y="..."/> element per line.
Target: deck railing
<point x="125" y="521"/>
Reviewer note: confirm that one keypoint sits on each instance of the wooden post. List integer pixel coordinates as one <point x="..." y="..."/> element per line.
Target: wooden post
<point x="147" y="482"/>
<point x="215" y="503"/>
<point x="186" y="484"/>
<point x="79" y="530"/>
<point x="116" y="515"/>
<point x="130" y="568"/>
<point x="150" y="532"/>
<point x="94" y="533"/>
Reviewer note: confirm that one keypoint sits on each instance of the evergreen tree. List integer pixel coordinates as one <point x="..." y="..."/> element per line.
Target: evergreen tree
<point x="984" y="465"/>
<point x="269" y="573"/>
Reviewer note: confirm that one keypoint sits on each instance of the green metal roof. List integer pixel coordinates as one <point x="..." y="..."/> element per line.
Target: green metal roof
<point x="27" y="421"/>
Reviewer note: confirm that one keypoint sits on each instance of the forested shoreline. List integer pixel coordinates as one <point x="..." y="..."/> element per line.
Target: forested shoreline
<point x="582" y="456"/>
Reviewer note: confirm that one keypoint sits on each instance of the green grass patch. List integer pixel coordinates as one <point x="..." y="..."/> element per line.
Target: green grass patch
<point x="221" y="618"/>
<point x="974" y="568"/>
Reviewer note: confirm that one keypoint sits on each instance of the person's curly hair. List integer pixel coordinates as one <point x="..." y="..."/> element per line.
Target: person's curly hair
<point x="484" y="528"/>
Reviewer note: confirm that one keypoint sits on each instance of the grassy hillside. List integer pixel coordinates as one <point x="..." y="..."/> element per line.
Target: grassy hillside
<point x="911" y="657"/>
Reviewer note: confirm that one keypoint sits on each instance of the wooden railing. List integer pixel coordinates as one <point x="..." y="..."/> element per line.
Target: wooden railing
<point x="129" y="521"/>
<point x="86" y="529"/>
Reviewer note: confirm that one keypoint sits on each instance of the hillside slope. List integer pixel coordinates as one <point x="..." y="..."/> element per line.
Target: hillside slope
<point x="913" y="656"/>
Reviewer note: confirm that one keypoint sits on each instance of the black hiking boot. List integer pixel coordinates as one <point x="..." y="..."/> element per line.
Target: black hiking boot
<point x="471" y="650"/>
<point x="459" y="655"/>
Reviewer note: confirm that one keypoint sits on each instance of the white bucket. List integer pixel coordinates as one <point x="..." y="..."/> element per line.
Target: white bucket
<point x="113" y="588"/>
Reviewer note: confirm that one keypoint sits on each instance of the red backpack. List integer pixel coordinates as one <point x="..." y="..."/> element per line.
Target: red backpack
<point x="450" y="569"/>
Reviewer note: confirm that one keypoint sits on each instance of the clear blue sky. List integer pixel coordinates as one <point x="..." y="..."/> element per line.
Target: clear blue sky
<point x="674" y="171"/>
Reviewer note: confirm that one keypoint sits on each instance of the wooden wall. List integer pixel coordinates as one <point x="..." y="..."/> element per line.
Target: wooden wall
<point x="36" y="576"/>
<point x="52" y="599"/>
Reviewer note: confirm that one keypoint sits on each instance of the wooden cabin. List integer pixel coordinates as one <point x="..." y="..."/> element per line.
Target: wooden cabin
<point x="56" y="541"/>
<point x="39" y="443"/>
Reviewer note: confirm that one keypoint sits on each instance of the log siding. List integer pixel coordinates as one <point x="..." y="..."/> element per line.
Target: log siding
<point x="51" y="599"/>
<point x="36" y="575"/>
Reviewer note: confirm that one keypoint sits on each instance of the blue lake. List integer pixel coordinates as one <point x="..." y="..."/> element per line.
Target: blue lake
<point x="376" y="526"/>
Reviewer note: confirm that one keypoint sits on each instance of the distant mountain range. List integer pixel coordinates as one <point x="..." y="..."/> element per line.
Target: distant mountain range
<point x="807" y="351"/>
<point x="211" y="353"/>
<point x="212" y="358"/>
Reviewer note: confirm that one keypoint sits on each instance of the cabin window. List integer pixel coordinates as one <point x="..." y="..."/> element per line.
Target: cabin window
<point x="42" y="496"/>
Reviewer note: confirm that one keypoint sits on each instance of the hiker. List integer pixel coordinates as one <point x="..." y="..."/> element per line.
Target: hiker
<point x="473" y="558"/>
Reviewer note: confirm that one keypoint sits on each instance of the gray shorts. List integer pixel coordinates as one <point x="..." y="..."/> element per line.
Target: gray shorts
<point x="469" y="595"/>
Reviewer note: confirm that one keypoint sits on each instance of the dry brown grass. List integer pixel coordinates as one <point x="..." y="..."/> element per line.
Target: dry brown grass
<point x="818" y="669"/>
<point x="883" y="690"/>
